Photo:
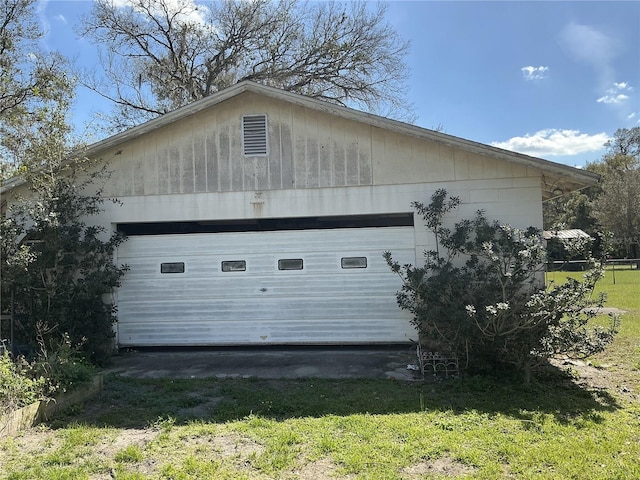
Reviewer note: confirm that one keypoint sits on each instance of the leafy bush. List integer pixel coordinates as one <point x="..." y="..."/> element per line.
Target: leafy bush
<point x="63" y="368"/>
<point x="50" y="373"/>
<point x="57" y="267"/>
<point x="17" y="387"/>
<point x="480" y="295"/>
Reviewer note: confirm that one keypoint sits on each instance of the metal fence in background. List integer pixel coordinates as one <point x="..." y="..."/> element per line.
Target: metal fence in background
<point x="617" y="271"/>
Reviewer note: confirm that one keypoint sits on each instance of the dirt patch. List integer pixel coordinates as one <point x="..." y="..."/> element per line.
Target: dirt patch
<point x="127" y="437"/>
<point x="36" y="440"/>
<point x="439" y="467"/>
<point x="603" y="378"/>
<point x="319" y="470"/>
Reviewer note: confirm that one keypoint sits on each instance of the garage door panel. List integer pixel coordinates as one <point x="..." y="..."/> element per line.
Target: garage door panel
<point x="322" y="303"/>
<point x="258" y="309"/>
<point x="349" y="285"/>
<point x="250" y="333"/>
<point x="208" y="263"/>
<point x="270" y="242"/>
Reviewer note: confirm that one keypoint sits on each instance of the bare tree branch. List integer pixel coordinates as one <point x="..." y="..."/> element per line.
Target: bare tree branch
<point x="167" y="54"/>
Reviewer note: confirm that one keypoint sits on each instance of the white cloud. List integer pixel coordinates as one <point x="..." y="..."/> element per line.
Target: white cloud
<point x="613" y="98"/>
<point x="593" y="47"/>
<point x="534" y="73"/>
<point x="555" y="142"/>
<point x="589" y="45"/>
<point x="615" y="94"/>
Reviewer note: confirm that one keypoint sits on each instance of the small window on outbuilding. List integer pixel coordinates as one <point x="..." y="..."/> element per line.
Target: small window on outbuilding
<point x="172" y="267"/>
<point x="290" y="264"/>
<point x="234" y="266"/>
<point x="254" y="135"/>
<point x="353" y="262"/>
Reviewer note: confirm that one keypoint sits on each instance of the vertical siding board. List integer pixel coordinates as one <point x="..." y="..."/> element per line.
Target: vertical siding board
<point x="187" y="183"/>
<point x="248" y="174"/>
<point x="288" y="169"/>
<point x="352" y="162"/>
<point x="224" y="159"/>
<point x="325" y="168"/>
<point x="378" y="158"/>
<point x="339" y="164"/>
<point x="174" y="169"/>
<point x="138" y="176"/>
<point x="312" y="170"/>
<point x="432" y="158"/>
<point x="352" y="157"/>
<point x="518" y="170"/>
<point x="118" y="178"/>
<point x="127" y="175"/>
<point x="273" y="179"/>
<point x="364" y="148"/>
<point x="150" y="156"/>
<point x="235" y="153"/>
<point x="422" y="149"/>
<point x="299" y="148"/>
<point x="324" y="163"/>
<point x="338" y="153"/>
<point x="461" y="165"/>
<point x="163" y="170"/>
<point x="364" y="163"/>
<point x="475" y="167"/>
<point x="262" y="173"/>
<point x="213" y="180"/>
<point x="138" y="169"/>
<point x="447" y="163"/>
<point x="489" y="167"/>
<point x="312" y="131"/>
<point x="199" y="164"/>
<point x="391" y="149"/>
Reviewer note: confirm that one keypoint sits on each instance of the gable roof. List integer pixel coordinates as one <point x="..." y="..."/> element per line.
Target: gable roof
<point x="557" y="178"/>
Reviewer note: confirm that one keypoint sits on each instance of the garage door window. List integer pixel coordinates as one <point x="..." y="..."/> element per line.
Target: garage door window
<point x="234" y="266"/>
<point x="290" y="264"/>
<point x="353" y="262"/>
<point x="173" y="267"/>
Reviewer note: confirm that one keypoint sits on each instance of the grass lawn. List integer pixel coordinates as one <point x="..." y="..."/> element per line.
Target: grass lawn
<point x="584" y="424"/>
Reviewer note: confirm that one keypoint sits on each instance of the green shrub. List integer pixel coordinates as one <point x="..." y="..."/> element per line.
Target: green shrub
<point x="17" y="387"/>
<point x="64" y="368"/>
<point x="480" y="295"/>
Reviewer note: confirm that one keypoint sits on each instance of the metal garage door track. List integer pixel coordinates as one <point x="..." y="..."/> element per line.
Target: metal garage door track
<point x="267" y="362"/>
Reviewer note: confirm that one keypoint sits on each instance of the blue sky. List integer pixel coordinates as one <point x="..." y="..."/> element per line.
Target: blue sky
<point x="548" y="78"/>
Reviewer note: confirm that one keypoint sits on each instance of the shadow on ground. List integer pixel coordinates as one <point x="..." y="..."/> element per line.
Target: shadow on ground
<point x="129" y="402"/>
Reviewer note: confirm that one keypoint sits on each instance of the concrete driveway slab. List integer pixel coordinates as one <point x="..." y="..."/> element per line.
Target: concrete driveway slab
<point x="266" y="362"/>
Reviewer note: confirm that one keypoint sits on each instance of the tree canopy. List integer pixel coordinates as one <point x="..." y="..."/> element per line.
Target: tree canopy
<point x="617" y="208"/>
<point x="33" y="87"/>
<point x="159" y="55"/>
<point x="614" y="204"/>
<point x="55" y="265"/>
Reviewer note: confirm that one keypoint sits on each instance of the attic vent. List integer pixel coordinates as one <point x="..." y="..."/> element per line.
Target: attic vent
<point x="254" y="134"/>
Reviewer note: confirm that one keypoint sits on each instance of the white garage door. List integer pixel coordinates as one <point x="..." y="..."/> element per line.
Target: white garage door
<point x="280" y="287"/>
